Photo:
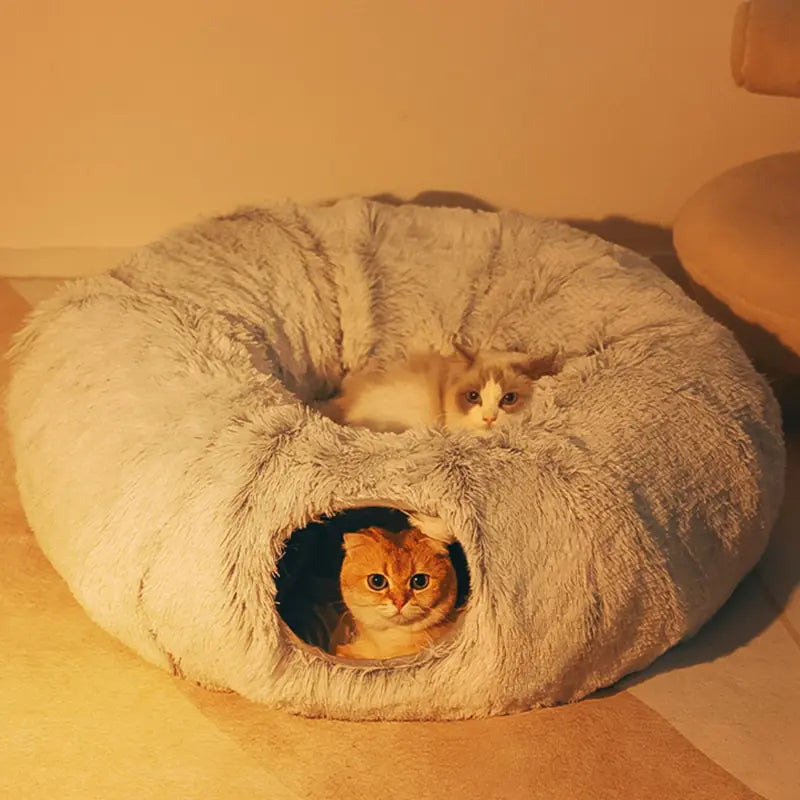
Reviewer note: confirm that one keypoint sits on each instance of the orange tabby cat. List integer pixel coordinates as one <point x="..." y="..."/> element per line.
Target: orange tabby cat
<point x="400" y="590"/>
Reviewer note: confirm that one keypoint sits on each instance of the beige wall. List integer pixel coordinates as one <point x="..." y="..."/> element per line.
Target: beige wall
<point x="117" y="124"/>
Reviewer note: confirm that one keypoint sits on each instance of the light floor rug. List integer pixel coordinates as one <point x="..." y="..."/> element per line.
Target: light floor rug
<point x="82" y="717"/>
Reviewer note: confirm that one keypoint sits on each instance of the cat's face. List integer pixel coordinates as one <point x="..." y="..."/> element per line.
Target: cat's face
<point x="391" y="580"/>
<point x="487" y="391"/>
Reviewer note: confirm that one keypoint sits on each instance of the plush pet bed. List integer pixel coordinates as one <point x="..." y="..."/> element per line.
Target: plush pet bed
<point x="174" y="472"/>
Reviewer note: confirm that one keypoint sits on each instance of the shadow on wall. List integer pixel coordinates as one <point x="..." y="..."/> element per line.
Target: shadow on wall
<point x="437" y="197"/>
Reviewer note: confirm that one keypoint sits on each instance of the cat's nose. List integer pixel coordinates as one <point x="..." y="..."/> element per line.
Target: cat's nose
<point x="489" y="420"/>
<point x="399" y="602"/>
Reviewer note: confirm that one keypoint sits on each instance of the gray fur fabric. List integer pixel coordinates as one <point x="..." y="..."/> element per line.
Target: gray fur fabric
<point x="165" y="450"/>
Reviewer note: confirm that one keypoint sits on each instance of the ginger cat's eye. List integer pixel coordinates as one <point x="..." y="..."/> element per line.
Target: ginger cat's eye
<point x="472" y="397"/>
<point x="509" y="399"/>
<point x="420" y="581"/>
<point x="376" y="581"/>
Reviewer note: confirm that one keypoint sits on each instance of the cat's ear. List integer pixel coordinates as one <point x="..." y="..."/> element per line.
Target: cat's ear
<point x="538" y="367"/>
<point x="467" y="354"/>
<point x="350" y="541"/>
<point x="438" y="546"/>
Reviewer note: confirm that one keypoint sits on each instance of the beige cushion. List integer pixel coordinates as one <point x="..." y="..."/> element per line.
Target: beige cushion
<point x="739" y="238"/>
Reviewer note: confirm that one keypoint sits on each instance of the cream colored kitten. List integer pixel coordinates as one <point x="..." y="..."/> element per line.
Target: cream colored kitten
<point x="400" y="591"/>
<point x="466" y="391"/>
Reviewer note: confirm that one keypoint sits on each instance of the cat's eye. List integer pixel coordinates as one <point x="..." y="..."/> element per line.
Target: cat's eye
<point x="509" y="399"/>
<point x="420" y="581"/>
<point x="472" y="397"/>
<point x="376" y="581"/>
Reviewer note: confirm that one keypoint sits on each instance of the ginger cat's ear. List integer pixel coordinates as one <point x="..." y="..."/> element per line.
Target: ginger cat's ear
<point x="359" y="538"/>
<point x="535" y="368"/>
<point x="436" y="545"/>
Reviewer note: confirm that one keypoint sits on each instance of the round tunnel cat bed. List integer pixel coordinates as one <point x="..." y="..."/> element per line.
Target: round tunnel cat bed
<point x="175" y="473"/>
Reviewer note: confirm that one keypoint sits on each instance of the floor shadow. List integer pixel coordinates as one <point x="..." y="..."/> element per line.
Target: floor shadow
<point x="742" y="619"/>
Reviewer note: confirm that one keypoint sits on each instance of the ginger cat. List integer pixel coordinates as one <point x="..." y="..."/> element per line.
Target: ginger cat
<point x="400" y="591"/>
<point x="477" y="391"/>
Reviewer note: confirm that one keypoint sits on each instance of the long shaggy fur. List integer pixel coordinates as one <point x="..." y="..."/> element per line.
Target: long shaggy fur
<point x="165" y="450"/>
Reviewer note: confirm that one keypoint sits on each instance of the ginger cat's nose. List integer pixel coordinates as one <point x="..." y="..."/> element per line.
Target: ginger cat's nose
<point x="489" y="420"/>
<point x="399" y="602"/>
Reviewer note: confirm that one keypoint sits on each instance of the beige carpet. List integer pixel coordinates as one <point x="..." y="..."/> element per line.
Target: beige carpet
<point x="83" y="717"/>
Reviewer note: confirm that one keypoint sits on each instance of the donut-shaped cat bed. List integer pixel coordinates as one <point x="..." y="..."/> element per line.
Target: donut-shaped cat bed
<point x="175" y="473"/>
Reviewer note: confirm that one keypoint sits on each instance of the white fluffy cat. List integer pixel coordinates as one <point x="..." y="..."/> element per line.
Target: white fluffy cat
<point x="465" y="391"/>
